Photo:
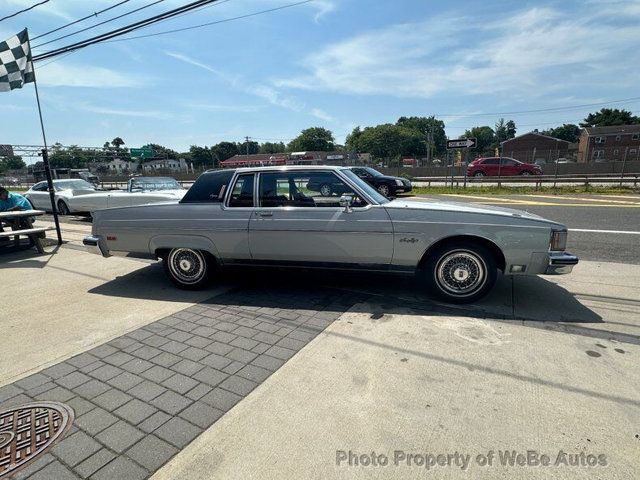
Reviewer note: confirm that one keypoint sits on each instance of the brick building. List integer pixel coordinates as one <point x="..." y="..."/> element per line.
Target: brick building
<point x="609" y="144"/>
<point x="534" y="147"/>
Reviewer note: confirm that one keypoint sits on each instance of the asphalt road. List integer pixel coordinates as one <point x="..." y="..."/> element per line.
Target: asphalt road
<point x="604" y="215"/>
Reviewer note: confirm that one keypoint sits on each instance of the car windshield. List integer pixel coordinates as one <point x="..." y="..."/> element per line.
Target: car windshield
<point x="74" y="185"/>
<point x="157" y="183"/>
<point x="365" y="187"/>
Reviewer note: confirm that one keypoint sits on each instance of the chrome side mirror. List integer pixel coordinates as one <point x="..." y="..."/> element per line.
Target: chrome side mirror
<point x="346" y="201"/>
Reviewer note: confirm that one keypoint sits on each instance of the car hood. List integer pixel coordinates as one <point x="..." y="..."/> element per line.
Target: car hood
<point x="439" y="205"/>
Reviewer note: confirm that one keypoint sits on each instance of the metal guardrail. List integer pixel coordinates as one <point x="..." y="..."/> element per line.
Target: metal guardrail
<point x="535" y="180"/>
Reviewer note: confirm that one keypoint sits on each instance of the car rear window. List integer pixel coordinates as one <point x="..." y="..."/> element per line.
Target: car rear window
<point x="209" y="187"/>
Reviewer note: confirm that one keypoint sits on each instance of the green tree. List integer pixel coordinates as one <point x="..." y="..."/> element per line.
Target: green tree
<point x="248" y="148"/>
<point x="224" y="150"/>
<point x="504" y="131"/>
<point x="117" y="143"/>
<point x="387" y="141"/>
<point x="313" y="139"/>
<point x="608" y="117"/>
<point x="13" y="162"/>
<point x="202" y="156"/>
<point x="568" y="131"/>
<point x="160" y="152"/>
<point x="72" y="157"/>
<point x="269" y="147"/>
<point x="485" y="139"/>
<point x="425" y="126"/>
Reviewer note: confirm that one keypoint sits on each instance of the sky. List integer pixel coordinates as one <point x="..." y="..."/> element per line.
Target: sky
<point x="337" y="64"/>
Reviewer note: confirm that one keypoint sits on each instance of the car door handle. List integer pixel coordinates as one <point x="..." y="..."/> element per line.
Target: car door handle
<point x="265" y="214"/>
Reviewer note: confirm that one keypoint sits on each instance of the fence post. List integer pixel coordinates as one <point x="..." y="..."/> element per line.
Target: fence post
<point x="624" y="160"/>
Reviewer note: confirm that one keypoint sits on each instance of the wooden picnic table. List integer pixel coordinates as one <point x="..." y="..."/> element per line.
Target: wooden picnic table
<point x="20" y="223"/>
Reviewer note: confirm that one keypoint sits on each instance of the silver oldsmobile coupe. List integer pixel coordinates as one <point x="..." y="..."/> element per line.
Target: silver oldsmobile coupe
<point x="270" y="216"/>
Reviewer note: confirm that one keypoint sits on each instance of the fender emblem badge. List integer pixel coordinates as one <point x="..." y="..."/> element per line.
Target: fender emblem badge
<point x="409" y="240"/>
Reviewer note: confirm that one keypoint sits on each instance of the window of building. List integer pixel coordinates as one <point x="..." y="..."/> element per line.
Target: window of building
<point x="618" y="138"/>
<point x="600" y="139"/>
<point x="635" y="136"/>
<point x="615" y="152"/>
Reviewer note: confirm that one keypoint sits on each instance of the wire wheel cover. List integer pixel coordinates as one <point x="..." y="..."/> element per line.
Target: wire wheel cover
<point x="186" y="265"/>
<point x="461" y="272"/>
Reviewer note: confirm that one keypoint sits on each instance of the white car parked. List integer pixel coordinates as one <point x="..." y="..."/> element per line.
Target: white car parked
<point x="76" y="196"/>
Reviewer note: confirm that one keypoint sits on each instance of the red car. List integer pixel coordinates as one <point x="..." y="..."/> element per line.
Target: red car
<point x="501" y="166"/>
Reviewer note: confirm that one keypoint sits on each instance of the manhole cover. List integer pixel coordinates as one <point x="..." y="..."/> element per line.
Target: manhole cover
<point x="30" y="430"/>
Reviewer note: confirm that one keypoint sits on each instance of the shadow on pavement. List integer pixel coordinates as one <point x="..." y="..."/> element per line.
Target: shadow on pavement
<point x="559" y="305"/>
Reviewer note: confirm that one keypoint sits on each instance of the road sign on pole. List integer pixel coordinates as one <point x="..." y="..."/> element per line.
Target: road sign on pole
<point x="462" y="143"/>
<point x="144" y="152"/>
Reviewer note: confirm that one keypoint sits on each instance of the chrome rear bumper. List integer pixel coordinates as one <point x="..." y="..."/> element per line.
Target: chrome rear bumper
<point x="94" y="244"/>
<point x="561" y="263"/>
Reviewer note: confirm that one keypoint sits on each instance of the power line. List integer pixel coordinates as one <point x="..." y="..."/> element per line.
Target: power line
<point x="542" y="110"/>
<point x="123" y="30"/>
<point x="100" y="23"/>
<point x="282" y="7"/>
<point x="25" y="10"/>
<point x="94" y="14"/>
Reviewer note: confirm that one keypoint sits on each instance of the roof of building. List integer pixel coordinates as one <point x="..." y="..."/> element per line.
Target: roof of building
<point x="537" y="134"/>
<point x="614" y="129"/>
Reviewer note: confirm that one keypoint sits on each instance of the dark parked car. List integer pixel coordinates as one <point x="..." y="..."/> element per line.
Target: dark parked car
<point x="386" y="185"/>
<point x="501" y="166"/>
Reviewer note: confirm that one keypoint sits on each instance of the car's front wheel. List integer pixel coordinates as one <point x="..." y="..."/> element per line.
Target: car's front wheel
<point x="63" y="209"/>
<point x="478" y="174"/>
<point x="384" y="189"/>
<point x="187" y="268"/>
<point x="326" y="190"/>
<point x="525" y="173"/>
<point x="461" y="273"/>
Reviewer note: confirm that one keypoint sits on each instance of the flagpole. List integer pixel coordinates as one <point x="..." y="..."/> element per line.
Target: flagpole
<point x="45" y="153"/>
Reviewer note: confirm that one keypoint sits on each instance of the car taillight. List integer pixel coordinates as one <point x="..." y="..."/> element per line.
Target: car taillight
<point x="558" y="241"/>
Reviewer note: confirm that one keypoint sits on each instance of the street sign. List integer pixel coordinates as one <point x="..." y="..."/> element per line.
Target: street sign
<point x="6" y="151"/>
<point x="462" y="143"/>
<point x="144" y="152"/>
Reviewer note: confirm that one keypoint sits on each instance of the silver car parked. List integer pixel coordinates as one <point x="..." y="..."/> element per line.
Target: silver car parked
<point x="270" y="216"/>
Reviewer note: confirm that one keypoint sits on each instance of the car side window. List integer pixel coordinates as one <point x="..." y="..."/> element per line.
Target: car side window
<point x="508" y="161"/>
<point x="209" y="187"/>
<point x="361" y="172"/>
<point x="304" y="189"/>
<point x="242" y="193"/>
<point x="40" y="187"/>
<point x="491" y="161"/>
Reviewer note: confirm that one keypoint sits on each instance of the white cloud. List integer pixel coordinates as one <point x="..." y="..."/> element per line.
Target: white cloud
<point x="534" y="50"/>
<point x="124" y="113"/>
<point x="68" y="75"/>
<point x="266" y="92"/>
<point x="323" y="8"/>
<point x="321" y="114"/>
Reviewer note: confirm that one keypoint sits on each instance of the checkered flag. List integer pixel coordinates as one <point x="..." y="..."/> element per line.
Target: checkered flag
<point x="16" y="66"/>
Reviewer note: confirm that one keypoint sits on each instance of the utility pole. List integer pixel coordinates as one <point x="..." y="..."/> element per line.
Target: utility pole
<point x="247" y="143"/>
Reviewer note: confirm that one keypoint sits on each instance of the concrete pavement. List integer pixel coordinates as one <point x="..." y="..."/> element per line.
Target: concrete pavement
<point x="546" y="364"/>
<point x="387" y="379"/>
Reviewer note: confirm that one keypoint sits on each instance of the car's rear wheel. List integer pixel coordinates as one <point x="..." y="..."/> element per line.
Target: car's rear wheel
<point x="478" y="174"/>
<point x="525" y="173"/>
<point x="187" y="268"/>
<point x="384" y="189"/>
<point x="461" y="272"/>
<point x="63" y="209"/>
<point x="326" y="190"/>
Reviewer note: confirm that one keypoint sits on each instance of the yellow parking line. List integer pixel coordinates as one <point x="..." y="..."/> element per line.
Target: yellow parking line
<point x="633" y="197"/>
<point x="582" y="199"/>
<point x="509" y="201"/>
